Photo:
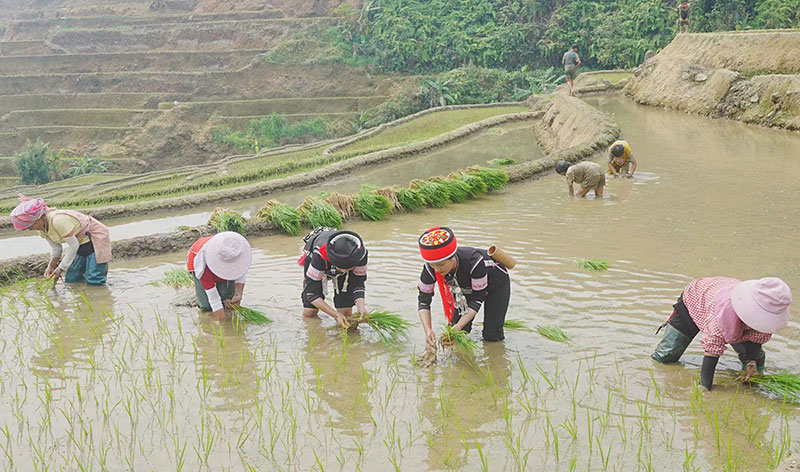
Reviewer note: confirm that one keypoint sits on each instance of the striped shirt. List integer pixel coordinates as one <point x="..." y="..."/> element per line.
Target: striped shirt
<point x="699" y="300"/>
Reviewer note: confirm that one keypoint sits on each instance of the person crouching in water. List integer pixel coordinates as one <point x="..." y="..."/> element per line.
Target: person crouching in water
<point x="468" y="279"/>
<point x="588" y="174"/>
<point x="219" y="265"/>
<point x="727" y="311"/>
<point x="88" y="243"/>
<point x="339" y="256"/>
<point x="621" y="160"/>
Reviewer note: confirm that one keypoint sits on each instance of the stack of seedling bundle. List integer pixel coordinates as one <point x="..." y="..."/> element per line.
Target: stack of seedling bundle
<point x="315" y="212"/>
<point x="390" y="327"/>
<point x="282" y="216"/>
<point x="371" y="205"/>
<point x="227" y="220"/>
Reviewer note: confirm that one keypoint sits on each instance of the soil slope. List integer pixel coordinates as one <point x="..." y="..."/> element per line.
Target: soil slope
<point x="752" y="76"/>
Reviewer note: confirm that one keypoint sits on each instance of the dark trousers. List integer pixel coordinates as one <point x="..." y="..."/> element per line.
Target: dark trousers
<point x="495" y="308"/>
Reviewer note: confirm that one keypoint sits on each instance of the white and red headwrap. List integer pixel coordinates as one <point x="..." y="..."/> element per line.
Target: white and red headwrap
<point x="28" y="211"/>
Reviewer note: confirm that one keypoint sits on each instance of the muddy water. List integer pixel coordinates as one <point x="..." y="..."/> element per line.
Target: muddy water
<point x="509" y="140"/>
<point x="157" y="384"/>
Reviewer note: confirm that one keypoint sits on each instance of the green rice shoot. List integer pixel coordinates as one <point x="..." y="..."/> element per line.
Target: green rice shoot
<point x="44" y="284"/>
<point x="553" y="333"/>
<point x="434" y="193"/>
<point x="315" y="212"/>
<point x="176" y="277"/>
<point x="227" y="220"/>
<point x="410" y="199"/>
<point x="457" y="189"/>
<point x="495" y="179"/>
<point x="459" y="338"/>
<point x="251" y="316"/>
<point x="784" y="385"/>
<point x="514" y="324"/>
<point x="502" y="161"/>
<point x="372" y="206"/>
<point x="390" y="326"/>
<point x="594" y="265"/>
<point x="475" y="185"/>
<point x="282" y="216"/>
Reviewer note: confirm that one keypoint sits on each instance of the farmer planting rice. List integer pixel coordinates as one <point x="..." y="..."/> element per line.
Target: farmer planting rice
<point x="339" y="256"/>
<point x="88" y="243"/>
<point x="727" y="311"/>
<point x="468" y="278"/>
<point x="219" y="265"/>
<point x="620" y="159"/>
<point x="588" y="174"/>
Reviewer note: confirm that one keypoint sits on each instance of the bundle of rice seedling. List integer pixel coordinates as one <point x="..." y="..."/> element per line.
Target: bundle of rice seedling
<point x="597" y="265"/>
<point x="514" y="324"/>
<point x="457" y="189"/>
<point x="459" y="338"/>
<point x="227" y="220"/>
<point x="785" y="385"/>
<point x="502" y="161"/>
<point x="495" y="179"/>
<point x="475" y="185"/>
<point x="251" y="316"/>
<point x="410" y="199"/>
<point x="391" y="194"/>
<point x="370" y="205"/>
<point x="315" y="212"/>
<point x="344" y="204"/>
<point x="282" y="216"/>
<point x="553" y="333"/>
<point x="390" y="326"/>
<point x="434" y="193"/>
<point x="177" y="277"/>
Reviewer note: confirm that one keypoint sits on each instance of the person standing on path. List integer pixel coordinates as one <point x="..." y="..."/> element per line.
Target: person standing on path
<point x="621" y="160"/>
<point x="219" y="266"/>
<point x="468" y="279"/>
<point x="571" y="62"/>
<point x="683" y="16"/>
<point x="88" y="243"/>
<point x="588" y="174"/>
<point x="727" y="311"/>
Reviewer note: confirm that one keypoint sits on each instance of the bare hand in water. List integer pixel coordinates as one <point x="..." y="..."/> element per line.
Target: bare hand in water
<point x="751" y="370"/>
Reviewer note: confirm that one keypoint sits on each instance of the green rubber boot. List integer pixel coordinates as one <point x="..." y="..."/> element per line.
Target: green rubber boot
<point x="672" y="346"/>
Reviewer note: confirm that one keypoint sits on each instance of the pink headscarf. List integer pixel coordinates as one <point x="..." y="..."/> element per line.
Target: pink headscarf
<point x="28" y="211"/>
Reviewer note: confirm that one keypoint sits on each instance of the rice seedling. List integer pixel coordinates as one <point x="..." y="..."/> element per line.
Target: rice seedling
<point x="475" y="185"/>
<point x="433" y="193"/>
<point x="514" y="324"/>
<point x="344" y="204"/>
<point x="553" y="333"/>
<point x="390" y="326"/>
<point x="410" y="199"/>
<point x="495" y="179"/>
<point x="458" y="190"/>
<point x="284" y="217"/>
<point x="176" y="277"/>
<point x="251" y="316"/>
<point x="459" y="338"/>
<point x="316" y="212"/>
<point x="596" y="265"/>
<point x="370" y="205"/>
<point x="784" y="385"/>
<point x="227" y="220"/>
<point x="44" y="284"/>
<point x="391" y="194"/>
<point x="502" y="161"/>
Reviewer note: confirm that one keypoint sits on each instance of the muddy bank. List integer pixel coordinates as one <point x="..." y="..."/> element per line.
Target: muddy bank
<point x="726" y="75"/>
<point x="570" y="128"/>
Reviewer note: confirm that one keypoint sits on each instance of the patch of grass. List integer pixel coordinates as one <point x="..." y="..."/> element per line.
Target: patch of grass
<point x="501" y="161"/>
<point x="459" y="338"/>
<point x="284" y="217"/>
<point x="784" y="385"/>
<point x="495" y="179"/>
<point x="315" y="212"/>
<point x="227" y="220"/>
<point x="433" y="193"/>
<point x="390" y="326"/>
<point x="248" y="315"/>
<point x="553" y="333"/>
<point x="370" y="205"/>
<point x="595" y="265"/>
<point x="176" y="277"/>
<point x="410" y="199"/>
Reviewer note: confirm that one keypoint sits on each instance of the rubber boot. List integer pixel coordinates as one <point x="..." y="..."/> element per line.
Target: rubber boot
<point x="672" y="346"/>
<point x="761" y="357"/>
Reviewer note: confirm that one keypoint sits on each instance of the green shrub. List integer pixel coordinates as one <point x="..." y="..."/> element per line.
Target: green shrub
<point x="88" y="164"/>
<point x="33" y="164"/>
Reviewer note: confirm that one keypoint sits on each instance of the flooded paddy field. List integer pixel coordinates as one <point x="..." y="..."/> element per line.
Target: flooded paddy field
<point x="123" y="377"/>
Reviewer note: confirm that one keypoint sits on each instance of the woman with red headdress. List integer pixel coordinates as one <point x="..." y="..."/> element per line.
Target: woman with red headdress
<point x="468" y="278"/>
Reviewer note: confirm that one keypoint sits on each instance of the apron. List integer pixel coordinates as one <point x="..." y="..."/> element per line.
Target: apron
<point x="98" y="233"/>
